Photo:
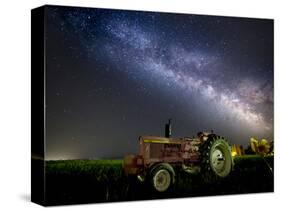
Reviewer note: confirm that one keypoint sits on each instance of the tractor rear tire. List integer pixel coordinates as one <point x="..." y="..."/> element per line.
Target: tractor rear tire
<point x="216" y="159"/>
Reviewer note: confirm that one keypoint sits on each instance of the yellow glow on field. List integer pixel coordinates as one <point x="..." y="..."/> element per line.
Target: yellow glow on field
<point x="233" y="154"/>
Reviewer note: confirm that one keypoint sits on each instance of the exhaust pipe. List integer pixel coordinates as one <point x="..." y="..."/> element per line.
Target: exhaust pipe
<point x="168" y="129"/>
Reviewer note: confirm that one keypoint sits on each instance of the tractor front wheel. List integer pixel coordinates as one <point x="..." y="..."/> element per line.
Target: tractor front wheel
<point x="162" y="177"/>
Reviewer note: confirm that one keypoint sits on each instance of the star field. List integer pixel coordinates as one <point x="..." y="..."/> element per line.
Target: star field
<point x="114" y="75"/>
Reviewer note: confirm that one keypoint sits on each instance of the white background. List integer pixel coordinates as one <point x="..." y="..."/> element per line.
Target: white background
<point x="15" y="105"/>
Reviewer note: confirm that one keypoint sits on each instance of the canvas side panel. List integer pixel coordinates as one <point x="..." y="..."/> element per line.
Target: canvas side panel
<point x="37" y="105"/>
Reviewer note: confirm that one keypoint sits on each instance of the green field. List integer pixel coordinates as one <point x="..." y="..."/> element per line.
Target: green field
<point x="83" y="181"/>
<point x="97" y="168"/>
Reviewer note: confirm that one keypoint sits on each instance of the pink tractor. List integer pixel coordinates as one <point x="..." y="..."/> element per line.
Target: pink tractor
<point x="208" y="154"/>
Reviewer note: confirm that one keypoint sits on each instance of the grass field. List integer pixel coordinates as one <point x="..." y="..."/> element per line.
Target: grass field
<point x="85" y="181"/>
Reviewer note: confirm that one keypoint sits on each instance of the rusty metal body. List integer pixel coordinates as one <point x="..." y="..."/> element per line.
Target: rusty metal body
<point x="154" y="150"/>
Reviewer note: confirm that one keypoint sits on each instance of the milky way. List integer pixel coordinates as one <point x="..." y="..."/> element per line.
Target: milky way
<point x="204" y="72"/>
<point x="179" y="70"/>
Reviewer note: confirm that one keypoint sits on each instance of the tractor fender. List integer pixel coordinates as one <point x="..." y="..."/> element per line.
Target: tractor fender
<point x="164" y="165"/>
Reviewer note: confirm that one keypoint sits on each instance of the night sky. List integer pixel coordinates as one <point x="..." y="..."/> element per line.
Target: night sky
<point x="113" y="75"/>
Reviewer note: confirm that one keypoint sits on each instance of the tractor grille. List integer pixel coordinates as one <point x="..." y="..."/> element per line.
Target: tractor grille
<point x="156" y="150"/>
